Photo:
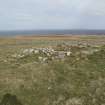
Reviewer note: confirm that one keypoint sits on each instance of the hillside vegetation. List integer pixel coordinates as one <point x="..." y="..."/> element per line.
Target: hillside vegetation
<point x="70" y="75"/>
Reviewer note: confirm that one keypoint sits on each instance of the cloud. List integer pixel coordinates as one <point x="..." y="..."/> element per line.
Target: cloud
<point x="53" y="14"/>
<point x="94" y="7"/>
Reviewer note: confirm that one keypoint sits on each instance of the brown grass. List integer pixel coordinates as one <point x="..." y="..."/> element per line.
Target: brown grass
<point x="51" y="37"/>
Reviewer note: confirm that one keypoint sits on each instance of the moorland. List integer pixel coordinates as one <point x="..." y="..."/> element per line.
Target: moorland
<point x="53" y="70"/>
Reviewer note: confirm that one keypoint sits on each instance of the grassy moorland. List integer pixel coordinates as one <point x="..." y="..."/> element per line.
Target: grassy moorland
<point x="38" y="71"/>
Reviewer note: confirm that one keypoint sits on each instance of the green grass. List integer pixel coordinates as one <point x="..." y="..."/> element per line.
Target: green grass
<point x="70" y="82"/>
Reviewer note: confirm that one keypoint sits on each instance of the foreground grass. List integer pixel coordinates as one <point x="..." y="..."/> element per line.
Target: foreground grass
<point x="70" y="82"/>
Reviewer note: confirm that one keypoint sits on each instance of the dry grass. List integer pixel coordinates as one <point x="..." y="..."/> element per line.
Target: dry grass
<point x="71" y="82"/>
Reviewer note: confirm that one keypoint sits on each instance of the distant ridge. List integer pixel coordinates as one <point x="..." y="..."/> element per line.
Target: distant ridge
<point x="54" y="32"/>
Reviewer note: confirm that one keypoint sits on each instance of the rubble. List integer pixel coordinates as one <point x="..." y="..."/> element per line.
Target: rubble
<point x="49" y="53"/>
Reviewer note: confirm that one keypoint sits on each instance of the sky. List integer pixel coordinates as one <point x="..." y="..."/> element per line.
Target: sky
<point x="52" y="14"/>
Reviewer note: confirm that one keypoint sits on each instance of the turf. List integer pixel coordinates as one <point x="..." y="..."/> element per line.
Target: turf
<point x="78" y="80"/>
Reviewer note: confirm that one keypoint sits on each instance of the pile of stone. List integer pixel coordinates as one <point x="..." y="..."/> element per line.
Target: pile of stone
<point x="49" y="53"/>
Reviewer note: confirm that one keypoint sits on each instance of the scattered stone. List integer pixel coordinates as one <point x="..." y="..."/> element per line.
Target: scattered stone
<point x="69" y="53"/>
<point x="44" y="54"/>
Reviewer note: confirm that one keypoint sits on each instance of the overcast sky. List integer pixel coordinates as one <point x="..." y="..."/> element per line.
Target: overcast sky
<point x="52" y="14"/>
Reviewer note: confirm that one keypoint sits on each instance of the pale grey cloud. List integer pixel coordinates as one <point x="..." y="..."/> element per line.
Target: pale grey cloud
<point x="52" y="14"/>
